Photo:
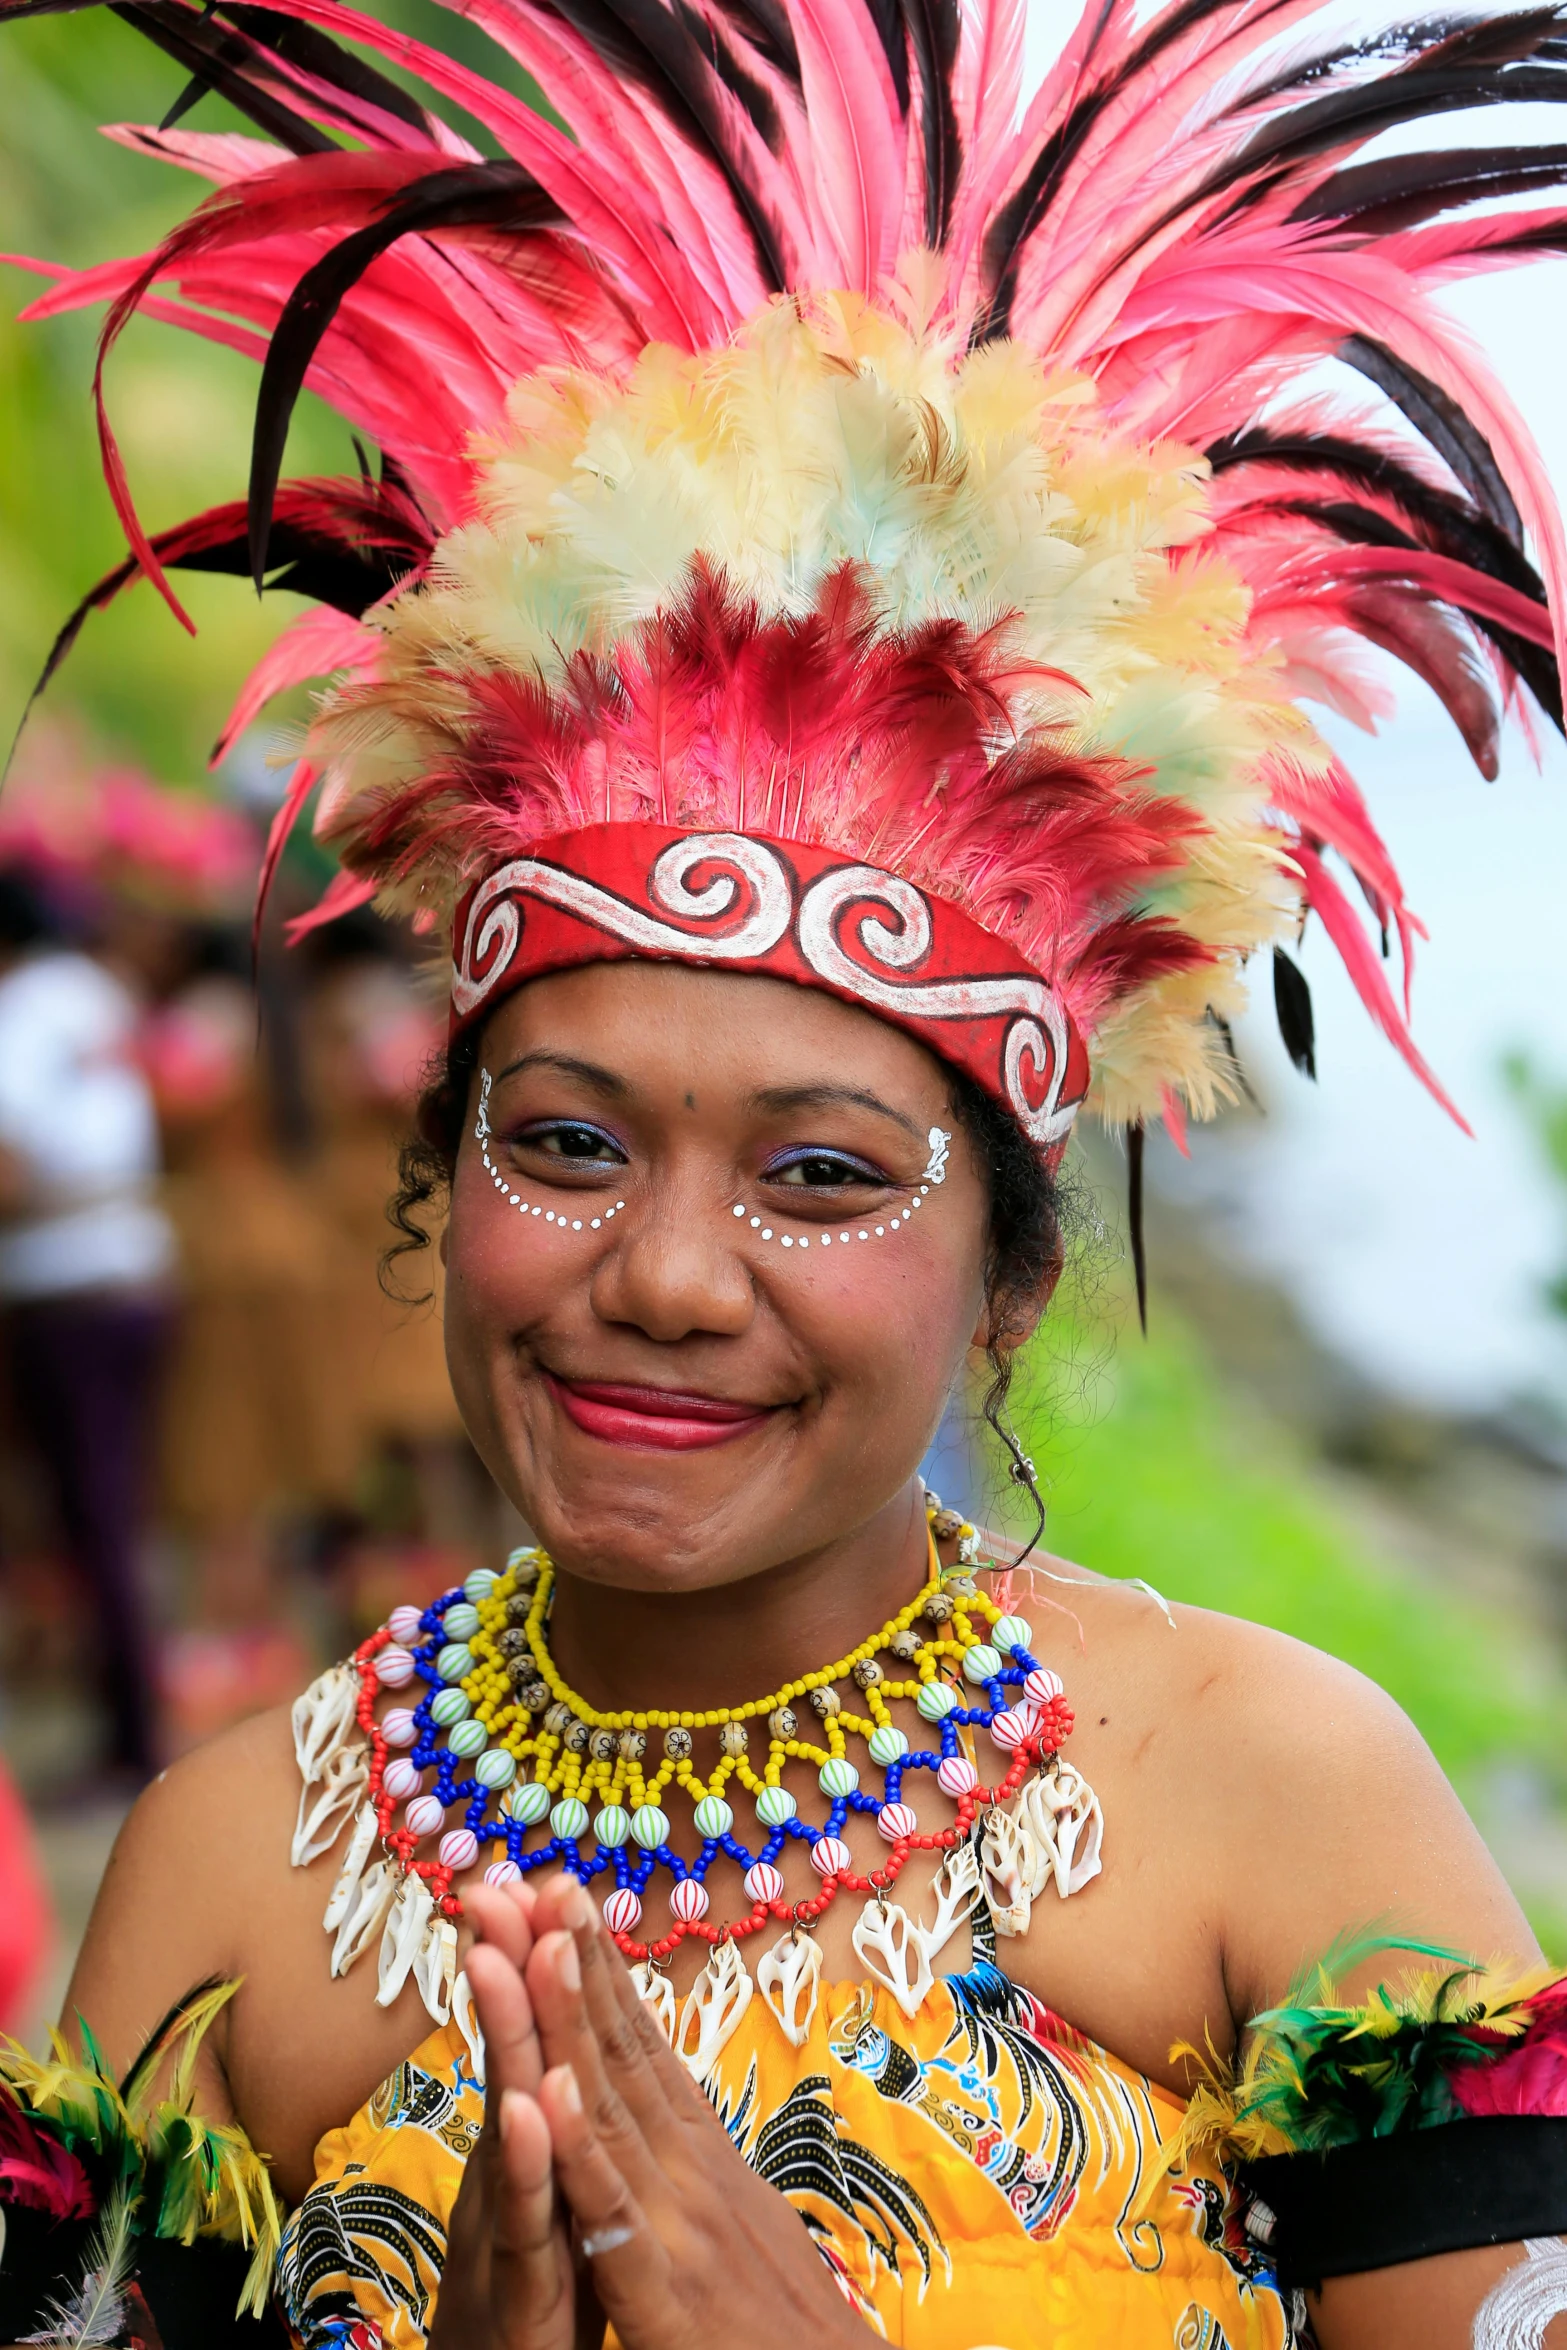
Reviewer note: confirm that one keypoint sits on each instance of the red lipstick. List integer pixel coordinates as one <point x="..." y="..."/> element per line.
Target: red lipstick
<point x="655" y="1419"/>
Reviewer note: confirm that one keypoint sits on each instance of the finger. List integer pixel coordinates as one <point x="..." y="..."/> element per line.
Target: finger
<point x="633" y="2011"/>
<point x="530" y="2271"/>
<point x="502" y="1915"/>
<point x="513" y="2058"/>
<point x="612" y="2231"/>
<point x="568" y="2040"/>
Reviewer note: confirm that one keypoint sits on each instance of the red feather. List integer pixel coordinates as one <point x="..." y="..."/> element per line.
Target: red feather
<point x="36" y="2171"/>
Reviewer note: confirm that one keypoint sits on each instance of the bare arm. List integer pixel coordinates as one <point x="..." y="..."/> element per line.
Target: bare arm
<point x="1352" y="1825"/>
<point x="199" y="1885"/>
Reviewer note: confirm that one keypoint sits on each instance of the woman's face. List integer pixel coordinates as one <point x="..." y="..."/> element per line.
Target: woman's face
<point x="671" y="1399"/>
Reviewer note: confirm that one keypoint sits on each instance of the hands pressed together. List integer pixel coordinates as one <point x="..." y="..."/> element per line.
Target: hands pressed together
<point x="604" y="2188"/>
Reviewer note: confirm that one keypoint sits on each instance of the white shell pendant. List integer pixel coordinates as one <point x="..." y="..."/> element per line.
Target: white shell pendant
<point x="659" y="1993"/>
<point x="714" y="2004"/>
<point x="1064" y="1815"/>
<point x="1007" y="1859"/>
<point x="435" y="1968"/>
<point x="325" y="1721"/>
<point x="406" y="1927"/>
<point x="466" y="2017"/>
<point x="957" y="1890"/>
<point x="348" y="1876"/>
<point x="365" y="1915"/>
<point x="325" y="1802"/>
<point x="788" y="1978"/>
<point x="896" y="1952"/>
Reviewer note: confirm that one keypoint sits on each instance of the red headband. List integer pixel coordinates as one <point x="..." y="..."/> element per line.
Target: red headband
<point x="736" y="902"/>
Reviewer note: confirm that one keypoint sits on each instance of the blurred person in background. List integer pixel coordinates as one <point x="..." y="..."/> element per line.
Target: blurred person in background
<point x="86" y="1256"/>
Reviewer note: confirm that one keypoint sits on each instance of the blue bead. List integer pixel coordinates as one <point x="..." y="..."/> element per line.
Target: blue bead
<point x="710" y="1845"/>
<point x="774" y="1845"/>
<point x="894" y="1782"/>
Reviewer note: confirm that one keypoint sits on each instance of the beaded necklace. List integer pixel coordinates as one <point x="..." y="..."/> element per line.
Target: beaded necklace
<point x="523" y="1753"/>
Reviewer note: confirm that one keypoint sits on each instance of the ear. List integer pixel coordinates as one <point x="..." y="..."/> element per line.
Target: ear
<point x="1020" y="1317"/>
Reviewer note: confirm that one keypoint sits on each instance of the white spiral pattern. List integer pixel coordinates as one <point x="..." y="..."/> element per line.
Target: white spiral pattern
<point x="494" y="923"/>
<point x="1037" y="1041"/>
<point x="1040" y="1035"/>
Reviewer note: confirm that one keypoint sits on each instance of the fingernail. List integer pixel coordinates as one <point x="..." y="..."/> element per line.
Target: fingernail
<point x="576" y="1911"/>
<point x="569" y="1965"/>
<point x="511" y="2108"/>
<point x="566" y="2088"/>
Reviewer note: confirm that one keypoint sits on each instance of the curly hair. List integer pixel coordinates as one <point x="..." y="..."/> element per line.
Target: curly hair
<point x="1025" y="1248"/>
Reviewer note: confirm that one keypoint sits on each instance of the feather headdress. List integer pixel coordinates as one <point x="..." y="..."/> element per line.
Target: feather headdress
<point x="819" y="442"/>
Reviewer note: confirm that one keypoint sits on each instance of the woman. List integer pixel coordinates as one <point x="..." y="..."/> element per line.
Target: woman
<point x="835" y="733"/>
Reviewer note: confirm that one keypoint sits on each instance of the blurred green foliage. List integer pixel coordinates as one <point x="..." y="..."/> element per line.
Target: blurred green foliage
<point x="1153" y="1469"/>
<point x="181" y="410"/>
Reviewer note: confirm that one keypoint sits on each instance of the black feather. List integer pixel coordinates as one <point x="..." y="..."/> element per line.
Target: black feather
<point x="1297" y="1022"/>
<point x="1400" y="191"/>
<point x="162" y="2033"/>
<point x="933" y="36"/>
<point x="315" y="53"/>
<point x="646" y="44"/>
<point x="1362" y="526"/>
<point x="1448" y="524"/>
<point x="1438" y="418"/>
<point x="464" y="195"/>
<point x="1501" y="61"/>
<point x="345" y="544"/>
<point x="1023" y="211"/>
<point x="1134" y="1218"/>
<point x="223" y="61"/>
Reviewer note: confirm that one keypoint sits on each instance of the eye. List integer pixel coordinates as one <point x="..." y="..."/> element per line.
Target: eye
<point x="823" y="1170"/>
<point x="571" y="1140"/>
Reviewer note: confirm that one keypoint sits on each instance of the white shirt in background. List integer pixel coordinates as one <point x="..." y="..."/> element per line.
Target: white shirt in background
<point x="76" y="1109"/>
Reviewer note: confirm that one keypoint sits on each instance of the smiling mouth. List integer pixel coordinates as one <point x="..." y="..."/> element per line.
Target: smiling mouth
<point x="654" y="1419"/>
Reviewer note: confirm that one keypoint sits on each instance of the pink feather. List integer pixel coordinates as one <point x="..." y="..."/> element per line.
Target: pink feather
<point x="1527" y="2075"/>
<point x="36" y="2172"/>
<point x="1344" y="928"/>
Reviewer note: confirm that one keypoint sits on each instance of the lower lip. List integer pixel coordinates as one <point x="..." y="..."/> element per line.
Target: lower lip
<point x="615" y="1423"/>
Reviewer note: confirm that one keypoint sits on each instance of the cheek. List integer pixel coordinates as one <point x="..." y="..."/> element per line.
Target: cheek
<point x="889" y="1318"/>
<point x="503" y="1270"/>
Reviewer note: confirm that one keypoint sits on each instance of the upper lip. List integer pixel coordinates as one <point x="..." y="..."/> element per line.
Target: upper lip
<point x="662" y="1403"/>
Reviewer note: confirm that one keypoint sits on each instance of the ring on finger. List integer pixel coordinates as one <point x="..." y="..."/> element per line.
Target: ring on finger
<point x="601" y="2240"/>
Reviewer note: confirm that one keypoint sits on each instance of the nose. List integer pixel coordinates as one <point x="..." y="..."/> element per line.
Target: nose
<point x="674" y="1272"/>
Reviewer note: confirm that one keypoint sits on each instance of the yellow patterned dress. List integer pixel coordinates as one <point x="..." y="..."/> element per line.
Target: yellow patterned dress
<point x="980" y="2177"/>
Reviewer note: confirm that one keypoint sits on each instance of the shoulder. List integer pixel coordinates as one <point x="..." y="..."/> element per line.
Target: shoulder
<point x="1298" y="1802"/>
<point x="1327" y="1810"/>
<point x="212" y="1822"/>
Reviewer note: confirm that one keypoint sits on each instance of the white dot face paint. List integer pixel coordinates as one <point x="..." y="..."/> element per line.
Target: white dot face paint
<point x="933" y="1172"/>
<point x="514" y="1199"/>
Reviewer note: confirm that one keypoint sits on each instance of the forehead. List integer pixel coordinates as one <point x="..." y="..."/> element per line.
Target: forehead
<point x="659" y="1024"/>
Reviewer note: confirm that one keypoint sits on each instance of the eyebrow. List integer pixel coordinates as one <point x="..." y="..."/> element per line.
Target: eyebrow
<point x="831" y="1097"/>
<point x="599" y="1080"/>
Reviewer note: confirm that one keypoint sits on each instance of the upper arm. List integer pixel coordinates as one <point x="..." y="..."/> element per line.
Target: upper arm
<point x="179" y="1901"/>
<point x="1422" y="2305"/>
<point x="1343" y="1823"/>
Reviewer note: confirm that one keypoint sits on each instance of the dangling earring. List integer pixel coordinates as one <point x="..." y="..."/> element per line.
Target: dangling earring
<point x="1022" y="1472"/>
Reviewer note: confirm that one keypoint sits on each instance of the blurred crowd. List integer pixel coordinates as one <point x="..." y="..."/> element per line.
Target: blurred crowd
<point x="224" y="1448"/>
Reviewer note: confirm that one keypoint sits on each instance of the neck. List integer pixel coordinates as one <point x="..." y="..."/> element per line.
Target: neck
<point x="693" y="1650"/>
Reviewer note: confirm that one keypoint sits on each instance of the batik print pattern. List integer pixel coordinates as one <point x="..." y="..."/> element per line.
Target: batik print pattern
<point x="978" y="2174"/>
